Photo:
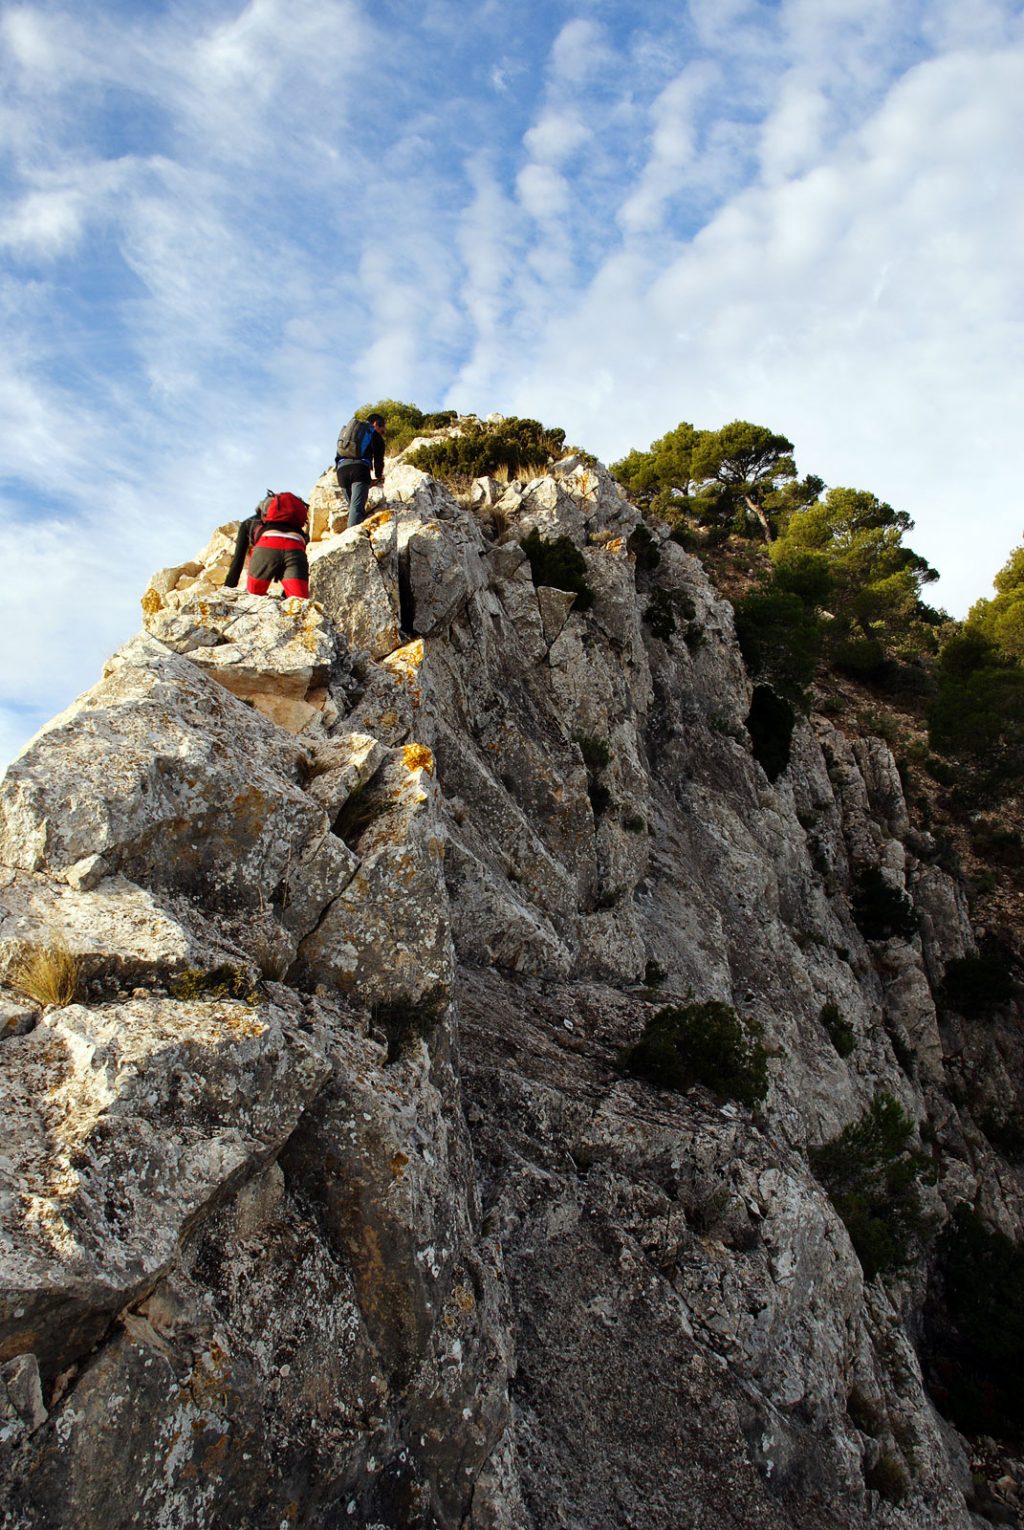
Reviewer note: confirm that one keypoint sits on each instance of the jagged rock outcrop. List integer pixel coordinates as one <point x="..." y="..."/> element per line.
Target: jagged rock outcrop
<point x="327" y="1201"/>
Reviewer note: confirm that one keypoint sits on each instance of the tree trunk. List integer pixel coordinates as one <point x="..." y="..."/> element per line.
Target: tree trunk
<point x="755" y="508"/>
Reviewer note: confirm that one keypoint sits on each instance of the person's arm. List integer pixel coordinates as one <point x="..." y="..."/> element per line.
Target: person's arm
<point x="377" y="456"/>
<point x="233" y="574"/>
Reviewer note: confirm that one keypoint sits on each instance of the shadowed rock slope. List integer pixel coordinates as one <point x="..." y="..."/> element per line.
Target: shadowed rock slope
<point x="326" y="1201"/>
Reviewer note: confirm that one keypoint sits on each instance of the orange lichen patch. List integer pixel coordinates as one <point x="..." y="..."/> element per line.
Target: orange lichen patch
<point x="437" y="848"/>
<point x="404" y="663"/>
<point x="617" y="546"/>
<point x="382" y="518"/>
<point x="398" y="1163"/>
<point x="213" y="1460"/>
<point x="151" y="602"/>
<point x="464" y="1298"/>
<point x="418" y="757"/>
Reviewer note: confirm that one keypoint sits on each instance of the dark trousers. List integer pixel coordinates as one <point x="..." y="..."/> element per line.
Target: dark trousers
<point x="354" y="483"/>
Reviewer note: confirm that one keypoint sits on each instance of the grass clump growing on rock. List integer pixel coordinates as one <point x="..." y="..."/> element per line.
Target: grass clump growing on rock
<point x="872" y="1176"/>
<point x="709" y="1044"/>
<point x="223" y="982"/>
<point x="558" y="564"/>
<point x="51" y="974"/>
<point x="840" y="1031"/>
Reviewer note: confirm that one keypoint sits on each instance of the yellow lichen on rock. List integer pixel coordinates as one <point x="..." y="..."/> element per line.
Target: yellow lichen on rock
<point x="418" y="757"/>
<point x="151" y="602"/>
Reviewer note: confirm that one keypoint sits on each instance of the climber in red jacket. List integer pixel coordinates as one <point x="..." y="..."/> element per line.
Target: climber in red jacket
<point x="279" y="548"/>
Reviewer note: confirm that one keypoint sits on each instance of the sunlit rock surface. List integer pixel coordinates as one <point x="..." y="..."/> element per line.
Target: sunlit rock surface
<point x="326" y="1202"/>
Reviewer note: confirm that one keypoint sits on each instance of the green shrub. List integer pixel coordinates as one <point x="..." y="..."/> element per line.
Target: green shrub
<point x="840" y="1031"/>
<point x="872" y="1178"/>
<point x="861" y="658"/>
<point x="404" y="1021"/>
<point x="975" y="1334"/>
<point x="633" y="823"/>
<point x="559" y="564"/>
<point x="660" y="614"/>
<point x="709" y="1044"/>
<point x="1005" y="1132"/>
<point x="508" y="447"/>
<point x="996" y="842"/>
<point x="976" y="986"/>
<point x="882" y="912"/>
<point x="780" y="640"/>
<point x="596" y="756"/>
<point x="654" y="974"/>
<point x="770" y="723"/>
<point x="644" y="547"/>
<point x="596" y="753"/>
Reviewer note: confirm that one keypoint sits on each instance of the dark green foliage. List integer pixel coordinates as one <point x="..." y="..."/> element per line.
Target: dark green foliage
<point x="644" y="546"/>
<point x="660" y="614"/>
<point x="780" y="640"/>
<point x="1005" y="1132"/>
<point x="862" y="658"/>
<point x="404" y="1021"/>
<point x="840" y="1031"/>
<point x="634" y="824"/>
<point x="806" y="575"/>
<point x="223" y="982"/>
<point x="976" y="986"/>
<point x="940" y="770"/>
<point x="976" y="1328"/>
<point x="507" y="447"/>
<point x="405" y="421"/>
<point x="882" y="912"/>
<point x="709" y="1044"/>
<point x="995" y="842"/>
<point x="770" y="725"/>
<point x="596" y="753"/>
<point x="978" y="715"/>
<point x="596" y="756"/>
<point x="654" y="974"/>
<point x="872" y="1178"/>
<point x="559" y="564"/>
<point x="888" y="1476"/>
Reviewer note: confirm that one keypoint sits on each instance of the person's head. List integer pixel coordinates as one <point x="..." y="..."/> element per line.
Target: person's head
<point x="378" y="422"/>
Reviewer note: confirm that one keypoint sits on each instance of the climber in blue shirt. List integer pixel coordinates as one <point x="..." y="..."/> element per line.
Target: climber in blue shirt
<point x="360" y="451"/>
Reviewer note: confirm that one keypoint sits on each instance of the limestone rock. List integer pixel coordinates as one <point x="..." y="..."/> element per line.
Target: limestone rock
<point x="345" y="578"/>
<point x="91" y="1101"/>
<point x="278" y="655"/>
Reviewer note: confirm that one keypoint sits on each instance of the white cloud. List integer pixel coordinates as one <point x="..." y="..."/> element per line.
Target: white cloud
<point x="870" y="309"/>
<point x="557" y="136"/>
<point x="579" y="50"/>
<point x="543" y="191"/>
<point x="674" y="146"/>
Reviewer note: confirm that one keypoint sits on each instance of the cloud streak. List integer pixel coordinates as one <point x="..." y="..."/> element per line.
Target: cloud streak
<point x="230" y="222"/>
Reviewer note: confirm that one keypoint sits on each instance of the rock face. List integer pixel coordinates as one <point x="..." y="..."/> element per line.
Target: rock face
<point x="326" y="1201"/>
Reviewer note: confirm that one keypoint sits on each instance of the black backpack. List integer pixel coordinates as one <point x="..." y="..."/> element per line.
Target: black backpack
<point x="354" y="438"/>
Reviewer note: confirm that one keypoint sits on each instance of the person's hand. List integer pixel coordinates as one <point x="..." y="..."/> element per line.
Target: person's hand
<point x="378" y="483"/>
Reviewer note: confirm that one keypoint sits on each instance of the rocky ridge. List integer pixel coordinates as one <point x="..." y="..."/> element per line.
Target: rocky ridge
<point x="326" y="1202"/>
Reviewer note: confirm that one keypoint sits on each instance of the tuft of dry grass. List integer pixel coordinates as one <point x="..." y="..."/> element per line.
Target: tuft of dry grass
<point x="51" y="974"/>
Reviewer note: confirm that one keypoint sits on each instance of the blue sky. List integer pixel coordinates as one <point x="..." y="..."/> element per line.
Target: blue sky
<point x="226" y="224"/>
